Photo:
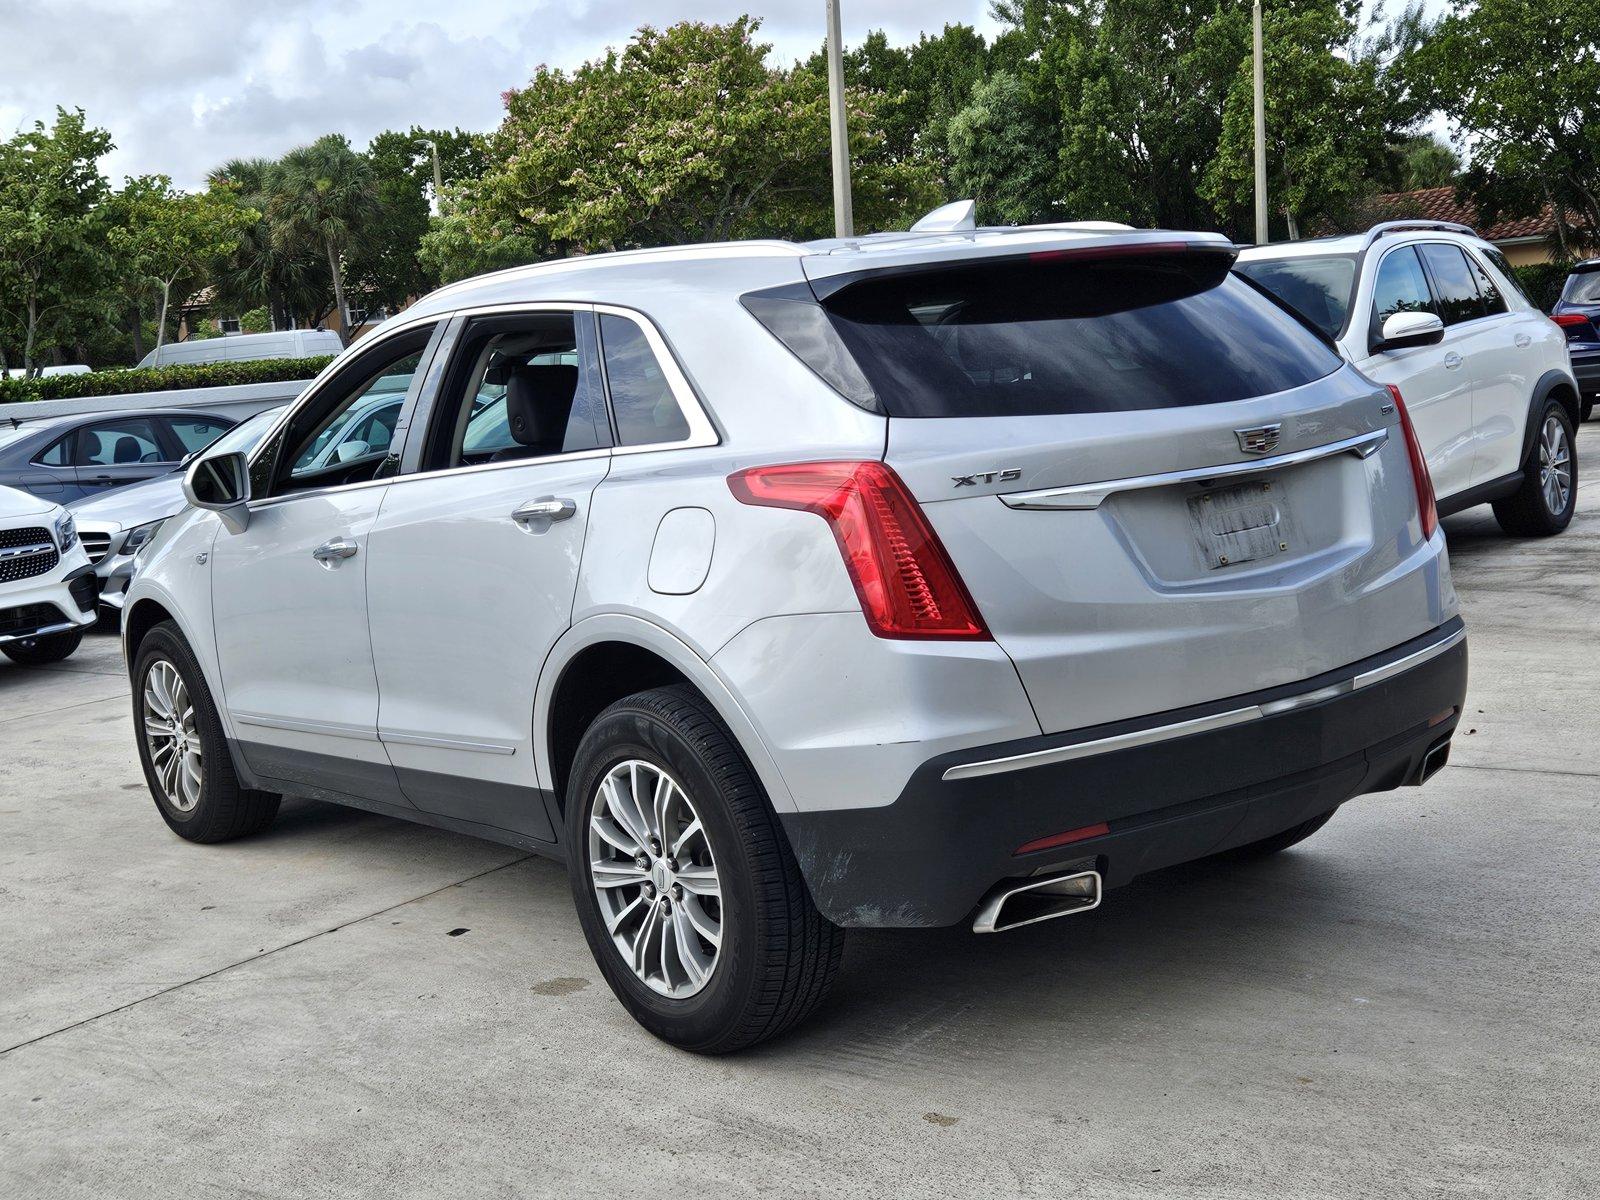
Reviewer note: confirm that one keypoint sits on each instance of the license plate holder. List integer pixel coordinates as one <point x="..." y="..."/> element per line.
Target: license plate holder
<point x="1241" y="523"/>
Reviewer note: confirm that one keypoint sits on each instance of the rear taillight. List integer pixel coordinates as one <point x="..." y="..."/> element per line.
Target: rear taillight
<point x="1426" y="508"/>
<point x="1575" y="325"/>
<point x="905" y="580"/>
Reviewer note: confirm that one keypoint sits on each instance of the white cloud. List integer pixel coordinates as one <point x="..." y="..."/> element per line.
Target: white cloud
<point x="182" y="86"/>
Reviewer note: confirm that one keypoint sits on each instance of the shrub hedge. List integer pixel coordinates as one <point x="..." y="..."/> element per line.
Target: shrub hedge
<point x="1543" y="282"/>
<point x="161" y="379"/>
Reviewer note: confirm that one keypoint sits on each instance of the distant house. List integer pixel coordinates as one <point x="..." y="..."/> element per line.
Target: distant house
<point x="199" y="317"/>
<point x="1523" y="240"/>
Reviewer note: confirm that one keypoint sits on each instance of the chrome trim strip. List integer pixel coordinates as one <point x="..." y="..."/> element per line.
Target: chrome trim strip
<point x="1092" y="495"/>
<point x="1389" y="671"/>
<point x="1105" y="745"/>
<point x="444" y="743"/>
<point x="31" y="550"/>
<point x="43" y="631"/>
<point x="1223" y="720"/>
<point x="329" y="728"/>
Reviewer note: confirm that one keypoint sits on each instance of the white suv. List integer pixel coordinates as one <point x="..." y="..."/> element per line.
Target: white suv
<point x="912" y="580"/>
<point x="1433" y="309"/>
<point x="47" y="586"/>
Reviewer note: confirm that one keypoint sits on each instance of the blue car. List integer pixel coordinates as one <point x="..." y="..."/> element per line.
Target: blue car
<point x="62" y="459"/>
<point x="1578" y="314"/>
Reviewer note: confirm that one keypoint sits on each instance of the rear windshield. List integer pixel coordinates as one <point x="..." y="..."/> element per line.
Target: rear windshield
<point x="1046" y="335"/>
<point x="1583" y="287"/>
<point x="1319" y="289"/>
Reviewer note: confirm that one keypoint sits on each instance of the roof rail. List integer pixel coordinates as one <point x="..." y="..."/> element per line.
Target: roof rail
<point x="1384" y="228"/>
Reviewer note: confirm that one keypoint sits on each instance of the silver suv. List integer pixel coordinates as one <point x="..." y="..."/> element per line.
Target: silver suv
<point x="910" y="580"/>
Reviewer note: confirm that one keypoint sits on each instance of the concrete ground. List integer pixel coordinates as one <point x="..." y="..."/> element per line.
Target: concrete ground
<point x="1404" y="1006"/>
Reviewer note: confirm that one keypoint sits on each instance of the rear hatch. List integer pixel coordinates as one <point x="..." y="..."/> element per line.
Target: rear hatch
<point x="1160" y="488"/>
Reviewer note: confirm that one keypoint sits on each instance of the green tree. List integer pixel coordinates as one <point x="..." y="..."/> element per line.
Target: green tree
<point x="999" y="152"/>
<point x="383" y="267"/>
<point x="1328" y="118"/>
<point x="1519" y="82"/>
<point x="164" y="238"/>
<point x="325" y="193"/>
<point x="685" y="135"/>
<point x="266" y="269"/>
<point x="51" y="252"/>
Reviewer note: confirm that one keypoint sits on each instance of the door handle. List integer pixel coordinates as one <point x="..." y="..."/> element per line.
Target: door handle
<point x="1523" y="339"/>
<point x="330" y="553"/>
<point x="1452" y="361"/>
<point x="557" y="508"/>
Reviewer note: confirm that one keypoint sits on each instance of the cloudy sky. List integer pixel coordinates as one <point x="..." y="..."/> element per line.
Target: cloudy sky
<point x="183" y="86"/>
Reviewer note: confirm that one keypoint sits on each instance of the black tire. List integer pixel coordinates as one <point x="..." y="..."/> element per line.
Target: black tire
<point x="224" y="810"/>
<point x="1292" y="836"/>
<point x="778" y="955"/>
<point x="52" y="647"/>
<point x="1526" y="512"/>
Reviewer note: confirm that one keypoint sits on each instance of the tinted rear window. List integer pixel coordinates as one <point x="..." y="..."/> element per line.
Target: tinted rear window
<point x="1043" y="336"/>
<point x="1582" y="288"/>
<point x="1317" y="288"/>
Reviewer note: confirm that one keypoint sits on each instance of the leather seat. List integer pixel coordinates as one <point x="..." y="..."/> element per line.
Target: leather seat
<point x="538" y="406"/>
<point x="127" y="450"/>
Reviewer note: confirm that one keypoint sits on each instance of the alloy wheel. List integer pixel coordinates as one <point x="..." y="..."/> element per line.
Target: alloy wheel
<point x="655" y="878"/>
<point x="1555" y="465"/>
<point x="172" y="737"/>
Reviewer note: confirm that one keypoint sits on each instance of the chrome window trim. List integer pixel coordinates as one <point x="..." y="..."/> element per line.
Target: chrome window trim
<point x="1222" y="720"/>
<point x="1092" y="495"/>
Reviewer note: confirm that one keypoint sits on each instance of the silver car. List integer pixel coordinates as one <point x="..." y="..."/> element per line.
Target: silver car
<point x="113" y="527"/>
<point x="947" y="577"/>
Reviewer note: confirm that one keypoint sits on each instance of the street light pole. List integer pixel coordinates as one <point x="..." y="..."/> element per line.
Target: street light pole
<point x="1261" y="125"/>
<point x="438" y="178"/>
<point x="844" y="224"/>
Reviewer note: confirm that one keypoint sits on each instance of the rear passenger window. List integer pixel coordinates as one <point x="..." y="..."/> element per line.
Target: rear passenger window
<point x="1401" y="287"/>
<point x="118" y="443"/>
<point x="1458" y="291"/>
<point x="519" y="387"/>
<point x="1493" y="300"/>
<point x="642" y="402"/>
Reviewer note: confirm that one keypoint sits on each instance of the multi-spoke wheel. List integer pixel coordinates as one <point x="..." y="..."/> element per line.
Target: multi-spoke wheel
<point x="655" y="878"/>
<point x="171" y="736"/>
<point x="182" y="747"/>
<point x="1545" y="501"/>
<point x="690" y="897"/>
<point x="1555" y="465"/>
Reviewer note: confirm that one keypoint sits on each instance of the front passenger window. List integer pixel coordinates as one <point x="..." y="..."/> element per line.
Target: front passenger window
<point x="1400" y="287"/>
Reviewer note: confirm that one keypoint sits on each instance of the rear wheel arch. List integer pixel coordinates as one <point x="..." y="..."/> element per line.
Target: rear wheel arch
<point x="605" y="658"/>
<point x="1552" y="385"/>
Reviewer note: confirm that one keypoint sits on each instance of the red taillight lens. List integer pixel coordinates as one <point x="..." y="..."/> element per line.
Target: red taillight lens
<point x="1566" y="319"/>
<point x="907" y="585"/>
<point x="1426" y="509"/>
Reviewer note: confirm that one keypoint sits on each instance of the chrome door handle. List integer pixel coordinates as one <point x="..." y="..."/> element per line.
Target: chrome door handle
<point x="555" y="509"/>
<point x="331" y="552"/>
<point x="1523" y="339"/>
<point x="1452" y="361"/>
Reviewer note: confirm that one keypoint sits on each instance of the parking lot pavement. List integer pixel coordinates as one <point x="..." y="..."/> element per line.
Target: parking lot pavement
<point x="1404" y="1006"/>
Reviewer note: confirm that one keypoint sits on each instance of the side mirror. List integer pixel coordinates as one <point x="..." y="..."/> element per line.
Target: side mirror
<point x="349" y="451"/>
<point x="1402" y="330"/>
<point x="221" y="483"/>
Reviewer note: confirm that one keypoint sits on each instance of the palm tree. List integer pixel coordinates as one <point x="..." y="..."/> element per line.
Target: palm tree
<point x="267" y="270"/>
<point x="327" y="192"/>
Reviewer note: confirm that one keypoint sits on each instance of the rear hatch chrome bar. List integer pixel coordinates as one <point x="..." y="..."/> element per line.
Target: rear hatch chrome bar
<point x="1092" y="495"/>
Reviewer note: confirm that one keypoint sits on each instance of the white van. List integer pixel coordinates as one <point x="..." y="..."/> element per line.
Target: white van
<point x="244" y="347"/>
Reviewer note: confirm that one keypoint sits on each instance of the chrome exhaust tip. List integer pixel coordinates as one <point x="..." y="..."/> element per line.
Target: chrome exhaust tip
<point x="1012" y="905"/>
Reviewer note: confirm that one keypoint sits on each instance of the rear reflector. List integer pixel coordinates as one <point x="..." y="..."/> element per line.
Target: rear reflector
<point x="1441" y="718"/>
<point x="1426" y="508"/>
<point x="1063" y="839"/>
<point x="906" y="583"/>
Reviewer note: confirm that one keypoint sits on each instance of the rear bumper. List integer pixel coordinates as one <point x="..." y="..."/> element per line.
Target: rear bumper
<point x="1586" y="369"/>
<point x="1147" y="793"/>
